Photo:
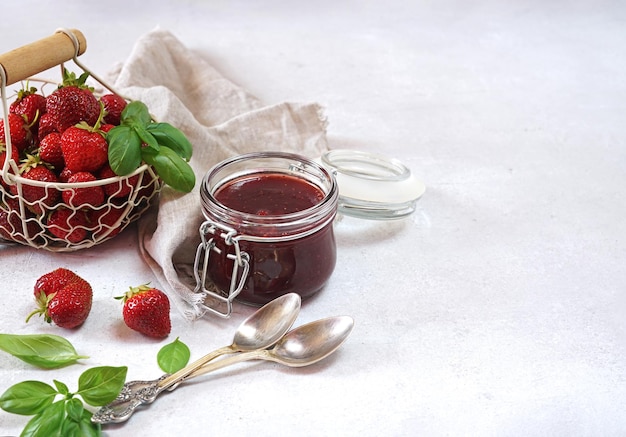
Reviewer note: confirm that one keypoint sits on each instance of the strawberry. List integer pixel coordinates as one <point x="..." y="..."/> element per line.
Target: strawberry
<point x="119" y="189"/>
<point x="15" y="154"/>
<point x="68" y="225"/>
<point x="46" y="125"/>
<point x="77" y="197"/>
<point x="84" y="148"/>
<point x="147" y="310"/>
<point x="109" y="220"/>
<point x="54" y="281"/>
<point x="65" y="174"/>
<point x="29" y="105"/>
<point x="106" y="127"/>
<point x="10" y="222"/>
<point x="72" y="103"/>
<point x="147" y="191"/>
<point x="50" y="150"/>
<point x="113" y="105"/>
<point x="63" y="298"/>
<point x="13" y="226"/>
<point x="34" y="169"/>
<point x="21" y="136"/>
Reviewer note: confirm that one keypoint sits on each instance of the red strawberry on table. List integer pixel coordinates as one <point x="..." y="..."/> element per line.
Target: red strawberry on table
<point x="84" y="148"/>
<point x="54" y="281"/>
<point x="84" y="196"/>
<point x="147" y="310"/>
<point x="63" y="298"/>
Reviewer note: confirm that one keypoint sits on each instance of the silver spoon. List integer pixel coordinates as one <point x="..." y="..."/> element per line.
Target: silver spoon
<point x="259" y="331"/>
<point x="300" y="347"/>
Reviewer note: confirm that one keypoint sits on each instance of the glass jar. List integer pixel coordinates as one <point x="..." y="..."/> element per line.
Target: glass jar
<point x="268" y="229"/>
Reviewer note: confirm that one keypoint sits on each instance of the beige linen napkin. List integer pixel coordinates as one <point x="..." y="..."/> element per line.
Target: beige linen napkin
<point x="221" y="120"/>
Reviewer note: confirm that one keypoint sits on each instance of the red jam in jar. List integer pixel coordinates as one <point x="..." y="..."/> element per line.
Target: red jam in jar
<point x="279" y="209"/>
<point x="269" y="194"/>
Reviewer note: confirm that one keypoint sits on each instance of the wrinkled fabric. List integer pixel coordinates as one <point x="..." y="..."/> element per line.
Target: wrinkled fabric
<point x="221" y="120"/>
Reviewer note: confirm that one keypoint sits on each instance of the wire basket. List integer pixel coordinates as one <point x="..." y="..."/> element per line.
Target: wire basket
<point x="51" y="221"/>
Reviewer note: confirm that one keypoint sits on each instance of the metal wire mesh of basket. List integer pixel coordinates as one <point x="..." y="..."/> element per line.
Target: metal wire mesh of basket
<point x="44" y="214"/>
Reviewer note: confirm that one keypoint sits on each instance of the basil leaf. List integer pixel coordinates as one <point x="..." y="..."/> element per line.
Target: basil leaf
<point x="88" y="428"/>
<point x="173" y="357"/>
<point x="170" y="167"/>
<point x="124" y="150"/>
<point x="47" y="423"/>
<point x="70" y="428"/>
<point x="27" y="398"/>
<point x="43" y="350"/>
<point x="135" y="112"/>
<point x="169" y="136"/>
<point x="100" y="385"/>
<point x="61" y="387"/>
<point x="146" y="137"/>
<point x="74" y="409"/>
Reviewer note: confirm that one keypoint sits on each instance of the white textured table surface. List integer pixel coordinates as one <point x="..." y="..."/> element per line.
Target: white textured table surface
<point x="496" y="309"/>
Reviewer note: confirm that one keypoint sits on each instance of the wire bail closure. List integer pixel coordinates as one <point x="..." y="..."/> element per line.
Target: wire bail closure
<point x="210" y="230"/>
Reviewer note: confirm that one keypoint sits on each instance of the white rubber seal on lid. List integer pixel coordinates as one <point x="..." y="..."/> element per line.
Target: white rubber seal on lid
<point x="373" y="186"/>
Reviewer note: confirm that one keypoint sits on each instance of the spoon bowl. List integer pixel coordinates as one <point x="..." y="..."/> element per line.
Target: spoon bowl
<point x="268" y="324"/>
<point x="259" y="331"/>
<point x="302" y="346"/>
<point x="312" y="342"/>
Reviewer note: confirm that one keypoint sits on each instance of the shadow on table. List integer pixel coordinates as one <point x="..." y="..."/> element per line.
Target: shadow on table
<point x="350" y="231"/>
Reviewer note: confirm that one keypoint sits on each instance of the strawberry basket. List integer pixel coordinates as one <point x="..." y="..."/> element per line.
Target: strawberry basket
<point x="58" y="213"/>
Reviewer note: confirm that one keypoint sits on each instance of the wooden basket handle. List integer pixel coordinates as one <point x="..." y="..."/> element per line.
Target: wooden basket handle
<point x="33" y="58"/>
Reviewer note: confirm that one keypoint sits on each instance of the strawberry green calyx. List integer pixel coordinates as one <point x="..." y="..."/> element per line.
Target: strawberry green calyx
<point x="70" y="79"/>
<point x="96" y="128"/>
<point x="42" y="302"/>
<point x="29" y="124"/>
<point x="133" y="291"/>
<point x="32" y="161"/>
<point x="26" y="91"/>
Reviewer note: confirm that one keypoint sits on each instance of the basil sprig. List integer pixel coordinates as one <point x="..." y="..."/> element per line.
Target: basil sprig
<point x="138" y="138"/>
<point x="42" y="350"/>
<point x="173" y="356"/>
<point x="67" y="416"/>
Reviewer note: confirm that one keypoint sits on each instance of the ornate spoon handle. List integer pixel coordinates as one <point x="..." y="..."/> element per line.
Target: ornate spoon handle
<point x="133" y="394"/>
<point x="137" y="393"/>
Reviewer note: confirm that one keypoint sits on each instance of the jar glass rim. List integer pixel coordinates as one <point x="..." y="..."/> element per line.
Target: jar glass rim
<point x="300" y="166"/>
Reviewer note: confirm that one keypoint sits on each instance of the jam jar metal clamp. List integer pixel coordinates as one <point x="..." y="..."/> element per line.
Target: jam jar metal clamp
<point x="209" y="231"/>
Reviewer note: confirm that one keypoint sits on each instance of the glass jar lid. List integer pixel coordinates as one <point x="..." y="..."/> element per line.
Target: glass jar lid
<point x="373" y="186"/>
